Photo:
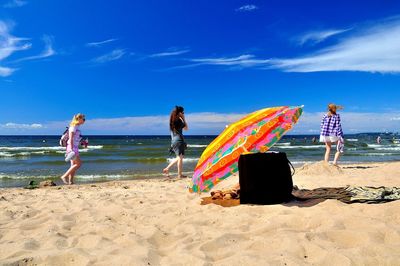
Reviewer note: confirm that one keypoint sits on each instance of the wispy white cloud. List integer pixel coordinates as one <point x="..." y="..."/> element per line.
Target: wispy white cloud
<point x="9" y="44"/>
<point x="111" y="56"/>
<point x="242" y="61"/>
<point x="47" y="52"/>
<point x="6" y="71"/>
<point x="315" y="37"/>
<point x="21" y="126"/>
<point x="170" y="53"/>
<point x="247" y="8"/>
<point x="14" y="3"/>
<point x="373" y="49"/>
<point x="101" y="43"/>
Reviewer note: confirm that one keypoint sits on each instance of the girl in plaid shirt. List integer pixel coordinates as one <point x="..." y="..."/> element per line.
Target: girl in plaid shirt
<point x="331" y="132"/>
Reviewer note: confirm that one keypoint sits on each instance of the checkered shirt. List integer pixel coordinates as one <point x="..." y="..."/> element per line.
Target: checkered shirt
<point x="331" y="126"/>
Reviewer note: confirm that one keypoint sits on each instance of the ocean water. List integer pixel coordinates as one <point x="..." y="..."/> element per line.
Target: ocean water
<point x="25" y="158"/>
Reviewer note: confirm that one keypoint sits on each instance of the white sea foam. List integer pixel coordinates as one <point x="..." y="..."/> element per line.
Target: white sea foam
<point x="29" y="153"/>
<point x="102" y="176"/>
<point x="7" y="176"/>
<point x="6" y="154"/>
<point x="21" y="154"/>
<point x="301" y="162"/>
<point x="185" y="159"/>
<point x="89" y="177"/>
<point x="353" y="140"/>
<point x="377" y="154"/>
<point x="94" y="177"/>
<point x="388" y="149"/>
<point x="302" y="147"/>
<point x="31" y="148"/>
<point x="297" y="163"/>
<point x="283" y="144"/>
<point x="95" y="147"/>
<point x="197" y="146"/>
<point x="55" y="148"/>
<point x="374" y="145"/>
<point x="118" y="176"/>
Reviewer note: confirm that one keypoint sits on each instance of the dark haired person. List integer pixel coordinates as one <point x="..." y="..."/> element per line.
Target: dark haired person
<point x="177" y="123"/>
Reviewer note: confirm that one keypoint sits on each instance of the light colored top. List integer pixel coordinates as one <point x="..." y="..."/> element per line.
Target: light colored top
<point x="76" y="138"/>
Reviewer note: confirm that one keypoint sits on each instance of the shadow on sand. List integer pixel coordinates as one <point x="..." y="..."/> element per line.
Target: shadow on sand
<point x="311" y="197"/>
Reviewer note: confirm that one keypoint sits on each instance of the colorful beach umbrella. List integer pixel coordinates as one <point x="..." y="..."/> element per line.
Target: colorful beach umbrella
<point x="256" y="132"/>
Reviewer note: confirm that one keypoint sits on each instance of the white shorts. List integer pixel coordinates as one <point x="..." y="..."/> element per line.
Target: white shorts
<point x="328" y="138"/>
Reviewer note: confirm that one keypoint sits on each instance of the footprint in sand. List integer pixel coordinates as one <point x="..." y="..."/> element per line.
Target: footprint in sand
<point x="31" y="224"/>
<point x="61" y="243"/>
<point x="68" y="218"/>
<point x="32" y="244"/>
<point x="216" y="249"/>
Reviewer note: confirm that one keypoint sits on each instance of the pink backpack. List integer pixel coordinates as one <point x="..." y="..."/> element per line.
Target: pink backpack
<point x="64" y="138"/>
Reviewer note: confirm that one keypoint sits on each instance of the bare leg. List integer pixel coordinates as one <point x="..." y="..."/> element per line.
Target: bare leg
<point x="65" y="181"/>
<point x="166" y="169"/>
<point x="78" y="163"/>
<point x="72" y="173"/>
<point x="328" y="146"/>
<point x="72" y="169"/>
<point x="180" y="166"/>
<point x="337" y="155"/>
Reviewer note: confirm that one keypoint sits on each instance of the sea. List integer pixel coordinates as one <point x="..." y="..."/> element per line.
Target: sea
<point x="26" y="158"/>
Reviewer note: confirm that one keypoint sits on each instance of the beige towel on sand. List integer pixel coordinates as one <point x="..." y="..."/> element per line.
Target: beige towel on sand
<point x="345" y="194"/>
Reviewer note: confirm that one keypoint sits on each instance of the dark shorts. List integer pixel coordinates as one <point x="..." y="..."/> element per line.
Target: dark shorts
<point x="178" y="148"/>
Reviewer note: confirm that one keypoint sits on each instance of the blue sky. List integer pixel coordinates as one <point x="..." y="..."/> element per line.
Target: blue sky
<point x="125" y="64"/>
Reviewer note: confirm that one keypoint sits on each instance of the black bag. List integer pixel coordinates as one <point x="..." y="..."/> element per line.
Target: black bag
<point x="265" y="178"/>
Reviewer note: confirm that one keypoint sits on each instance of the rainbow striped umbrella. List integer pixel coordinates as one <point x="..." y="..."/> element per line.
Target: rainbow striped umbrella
<point x="256" y="132"/>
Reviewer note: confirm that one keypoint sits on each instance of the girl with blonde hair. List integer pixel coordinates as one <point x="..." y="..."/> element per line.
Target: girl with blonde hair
<point x="331" y="132"/>
<point x="72" y="154"/>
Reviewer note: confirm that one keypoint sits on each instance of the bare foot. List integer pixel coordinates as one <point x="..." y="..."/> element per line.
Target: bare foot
<point x="64" y="181"/>
<point x="166" y="172"/>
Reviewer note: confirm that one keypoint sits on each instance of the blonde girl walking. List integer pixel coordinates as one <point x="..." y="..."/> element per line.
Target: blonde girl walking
<point x="72" y="153"/>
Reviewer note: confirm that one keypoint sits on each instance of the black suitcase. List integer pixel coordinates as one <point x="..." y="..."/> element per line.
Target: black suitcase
<point x="265" y="178"/>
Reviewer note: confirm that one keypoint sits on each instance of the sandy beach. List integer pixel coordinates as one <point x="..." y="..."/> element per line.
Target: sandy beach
<point x="158" y="222"/>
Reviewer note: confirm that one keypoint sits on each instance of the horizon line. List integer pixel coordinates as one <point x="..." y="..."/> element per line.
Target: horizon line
<point x="191" y="135"/>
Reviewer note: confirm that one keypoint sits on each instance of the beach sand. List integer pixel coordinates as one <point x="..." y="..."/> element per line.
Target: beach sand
<point x="158" y="222"/>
